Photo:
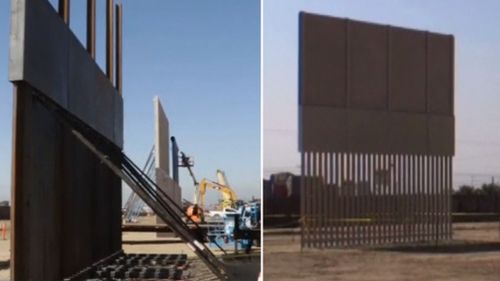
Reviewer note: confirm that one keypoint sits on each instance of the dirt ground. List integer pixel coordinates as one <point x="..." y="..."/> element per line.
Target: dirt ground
<point x="474" y="254"/>
<point x="132" y="242"/>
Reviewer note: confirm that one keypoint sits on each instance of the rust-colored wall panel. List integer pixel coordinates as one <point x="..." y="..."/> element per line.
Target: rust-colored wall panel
<point x="441" y="129"/>
<point x="382" y="69"/>
<point x="408" y="133"/>
<point x="62" y="194"/>
<point x="367" y="69"/>
<point x="372" y="131"/>
<point x="332" y="129"/>
<point x="439" y="74"/>
<point x="407" y="70"/>
<point x="66" y="204"/>
<point x="390" y="144"/>
<point x="323" y="61"/>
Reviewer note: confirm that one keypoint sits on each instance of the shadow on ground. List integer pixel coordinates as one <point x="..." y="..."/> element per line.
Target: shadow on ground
<point x="455" y="247"/>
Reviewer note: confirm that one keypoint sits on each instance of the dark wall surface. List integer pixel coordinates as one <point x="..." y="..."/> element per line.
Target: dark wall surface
<point x="371" y="88"/>
<point x="66" y="206"/>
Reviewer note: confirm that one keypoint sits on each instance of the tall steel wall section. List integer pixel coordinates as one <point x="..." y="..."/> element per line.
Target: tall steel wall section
<point x="66" y="206"/>
<point x="376" y="133"/>
<point x="162" y="159"/>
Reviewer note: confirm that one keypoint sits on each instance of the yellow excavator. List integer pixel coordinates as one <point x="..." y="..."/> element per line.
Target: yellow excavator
<point x="229" y="197"/>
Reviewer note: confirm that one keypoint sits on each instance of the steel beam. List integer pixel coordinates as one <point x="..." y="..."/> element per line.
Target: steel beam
<point x="91" y="11"/>
<point x="109" y="40"/>
<point x="119" y="14"/>
<point x="64" y="10"/>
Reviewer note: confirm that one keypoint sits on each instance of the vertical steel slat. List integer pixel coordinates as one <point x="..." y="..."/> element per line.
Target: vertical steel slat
<point x="91" y="11"/>
<point x="371" y="202"/>
<point x="404" y="188"/>
<point x="381" y="207"/>
<point x="376" y="194"/>
<point x="446" y="212"/>
<point x="119" y="45"/>
<point x="434" y="197"/>
<point x="333" y="203"/>
<point x="390" y="204"/>
<point x="403" y="183"/>
<point x="385" y="205"/>
<point x="352" y="215"/>
<point x="449" y="187"/>
<point x="356" y="223"/>
<point x="423" y="195"/>
<point x="309" y="200"/>
<point x="331" y="200"/>
<point x="318" y="200"/>
<point x="378" y="210"/>
<point x="414" y="197"/>
<point x="109" y="40"/>
<point x="302" y="199"/>
<point x="425" y="220"/>
<point x="340" y="197"/>
<point x="343" y="200"/>
<point x="337" y="200"/>
<point x="349" y="198"/>
<point x="314" y="204"/>
<point x="418" y="195"/>
<point x="363" y="201"/>
<point x="442" y="198"/>
<point x="326" y="199"/>
<point x="411" y="199"/>
<point x="428" y="197"/>
<point x="322" y="200"/>
<point x="439" y="198"/>
<point x="445" y="194"/>
<point x="64" y="10"/>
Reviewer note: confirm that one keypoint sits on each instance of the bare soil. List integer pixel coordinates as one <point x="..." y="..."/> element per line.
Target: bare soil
<point x="474" y="254"/>
<point x="134" y="242"/>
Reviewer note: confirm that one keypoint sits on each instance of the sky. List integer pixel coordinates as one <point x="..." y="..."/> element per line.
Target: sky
<point x="202" y="58"/>
<point x="475" y="25"/>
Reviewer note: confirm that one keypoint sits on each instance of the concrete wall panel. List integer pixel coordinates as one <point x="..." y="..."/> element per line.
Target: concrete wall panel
<point x="407" y="70"/>
<point x="372" y="131"/>
<point x="323" y="61"/>
<point x="48" y="56"/>
<point x="66" y="206"/>
<point x="367" y="66"/>
<point x="162" y="137"/>
<point x="325" y="128"/>
<point x="408" y="133"/>
<point x="39" y="39"/>
<point x="404" y="72"/>
<point x="440" y="74"/>
<point x="441" y="129"/>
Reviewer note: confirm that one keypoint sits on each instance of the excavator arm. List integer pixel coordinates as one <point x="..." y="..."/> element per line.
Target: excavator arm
<point x="228" y="195"/>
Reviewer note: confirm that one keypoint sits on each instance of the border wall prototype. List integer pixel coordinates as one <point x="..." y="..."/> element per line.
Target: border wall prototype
<point x="162" y="160"/>
<point x="376" y="133"/>
<point x="66" y="211"/>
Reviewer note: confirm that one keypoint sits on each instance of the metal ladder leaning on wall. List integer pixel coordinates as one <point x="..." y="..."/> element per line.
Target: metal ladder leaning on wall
<point x="140" y="183"/>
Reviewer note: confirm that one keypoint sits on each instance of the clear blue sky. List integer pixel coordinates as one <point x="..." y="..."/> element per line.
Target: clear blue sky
<point x="202" y="58"/>
<point x="475" y="25"/>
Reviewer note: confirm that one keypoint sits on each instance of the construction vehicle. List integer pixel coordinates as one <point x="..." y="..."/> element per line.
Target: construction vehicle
<point x="229" y="197"/>
<point x="241" y="226"/>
